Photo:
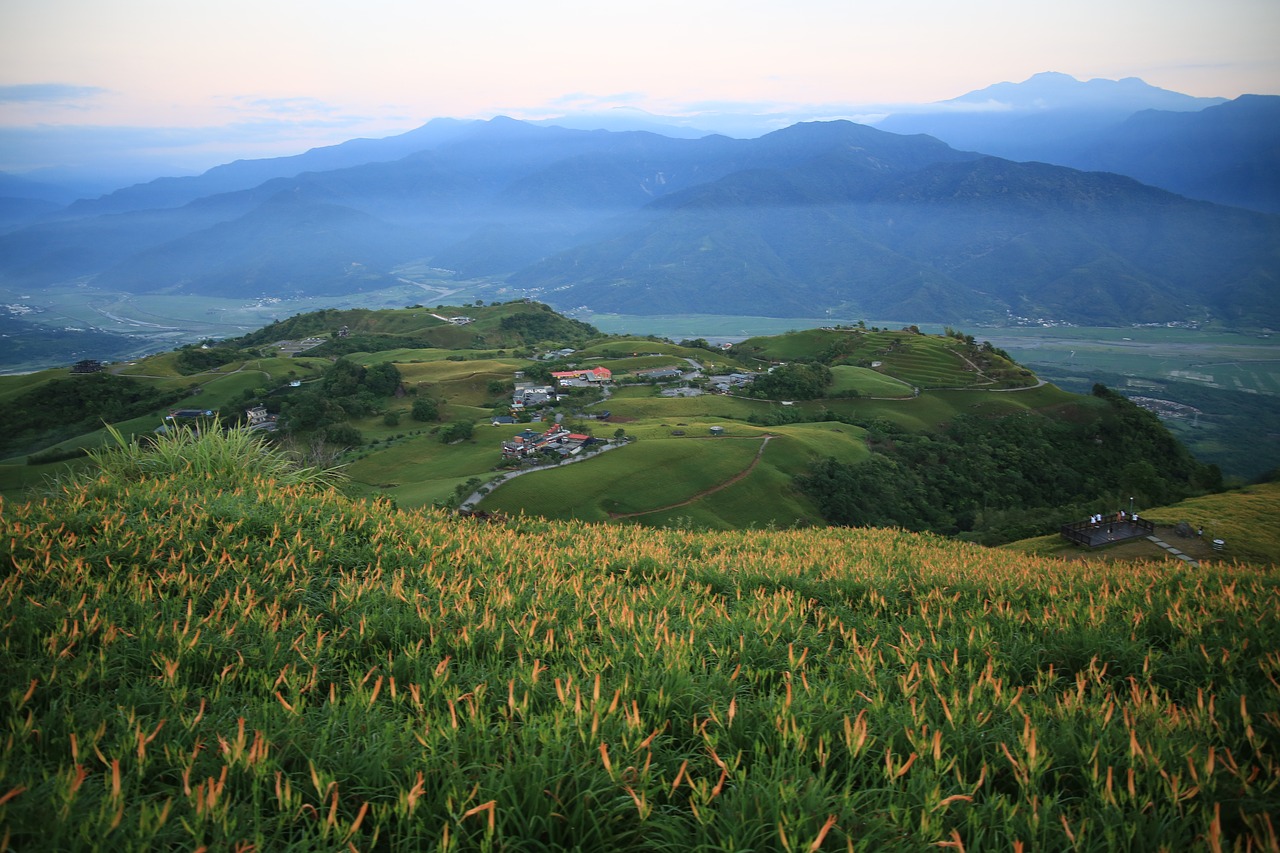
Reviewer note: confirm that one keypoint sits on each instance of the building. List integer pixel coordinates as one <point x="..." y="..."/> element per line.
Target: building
<point x="258" y="418"/>
<point x="654" y="373"/>
<point x="595" y="374"/>
<point x="527" y="395"/>
<point x="723" y="382"/>
<point x="557" y="439"/>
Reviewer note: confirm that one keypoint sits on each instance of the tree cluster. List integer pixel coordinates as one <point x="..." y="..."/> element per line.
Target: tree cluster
<point x="197" y="359"/>
<point x="347" y="390"/>
<point x="1001" y="479"/>
<point x="795" y="381"/>
<point x="63" y="408"/>
<point x="546" y="325"/>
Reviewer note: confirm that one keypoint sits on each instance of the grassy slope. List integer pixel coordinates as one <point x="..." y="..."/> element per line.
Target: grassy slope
<point x="846" y="378"/>
<point x="636" y="478"/>
<point x="665" y="479"/>
<point x="200" y="664"/>
<point x="919" y="360"/>
<point x="1247" y="520"/>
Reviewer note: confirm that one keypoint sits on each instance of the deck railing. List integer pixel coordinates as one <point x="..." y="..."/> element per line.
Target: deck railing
<point x="1082" y="533"/>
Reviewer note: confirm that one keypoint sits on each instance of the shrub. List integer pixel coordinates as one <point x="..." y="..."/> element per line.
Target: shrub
<point x="222" y="457"/>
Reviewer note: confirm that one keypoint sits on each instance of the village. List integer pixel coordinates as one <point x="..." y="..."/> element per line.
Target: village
<point x="557" y="442"/>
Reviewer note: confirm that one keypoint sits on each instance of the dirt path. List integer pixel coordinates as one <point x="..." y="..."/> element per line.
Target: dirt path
<point x="700" y="495"/>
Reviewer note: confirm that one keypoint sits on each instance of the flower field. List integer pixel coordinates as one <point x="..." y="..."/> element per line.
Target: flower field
<point x="194" y="662"/>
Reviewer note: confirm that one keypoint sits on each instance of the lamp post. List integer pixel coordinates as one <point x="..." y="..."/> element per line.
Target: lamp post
<point x="1130" y="507"/>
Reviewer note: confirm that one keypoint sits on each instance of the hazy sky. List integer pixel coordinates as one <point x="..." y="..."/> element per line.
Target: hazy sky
<point x="209" y="81"/>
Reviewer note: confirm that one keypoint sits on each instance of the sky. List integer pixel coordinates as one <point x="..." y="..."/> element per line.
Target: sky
<point x="176" y="86"/>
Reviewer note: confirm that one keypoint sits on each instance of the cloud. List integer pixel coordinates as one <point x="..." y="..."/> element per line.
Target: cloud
<point x="289" y="106"/>
<point x="957" y="106"/>
<point x="588" y="101"/>
<point x="31" y="93"/>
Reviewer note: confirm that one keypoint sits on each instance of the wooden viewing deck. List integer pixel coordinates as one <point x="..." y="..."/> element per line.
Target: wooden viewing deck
<point x="1089" y="535"/>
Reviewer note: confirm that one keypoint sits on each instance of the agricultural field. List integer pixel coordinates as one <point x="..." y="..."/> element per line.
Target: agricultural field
<point x="924" y="361"/>
<point x="162" y="321"/>
<point x="205" y="656"/>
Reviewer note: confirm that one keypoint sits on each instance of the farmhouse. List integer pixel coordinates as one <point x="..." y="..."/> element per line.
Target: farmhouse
<point x="257" y="418"/>
<point x="595" y="374"/>
<point x="557" y="439"/>
<point x="196" y="419"/>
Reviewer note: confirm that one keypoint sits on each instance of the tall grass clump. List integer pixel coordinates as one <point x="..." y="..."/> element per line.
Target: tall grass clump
<point x="215" y="456"/>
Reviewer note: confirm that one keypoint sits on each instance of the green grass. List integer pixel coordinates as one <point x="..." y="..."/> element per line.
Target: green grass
<point x="766" y="496"/>
<point x="790" y="345"/>
<point x="846" y="378"/>
<point x="419" y="470"/>
<point x="15" y="386"/>
<point x="1245" y="518"/>
<point x="640" y="477"/>
<point x="632" y="365"/>
<point x="660" y="470"/>
<point x="641" y="402"/>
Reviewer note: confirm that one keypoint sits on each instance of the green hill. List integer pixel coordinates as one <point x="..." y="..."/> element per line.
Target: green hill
<point x="198" y="655"/>
<point x="864" y="426"/>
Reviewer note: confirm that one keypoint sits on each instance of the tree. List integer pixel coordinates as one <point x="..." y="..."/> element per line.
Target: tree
<point x="457" y="431"/>
<point x="793" y="382"/>
<point x="344" y="378"/>
<point x="344" y="434"/>
<point x="382" y="379"/>
<point x="425" y="409"/>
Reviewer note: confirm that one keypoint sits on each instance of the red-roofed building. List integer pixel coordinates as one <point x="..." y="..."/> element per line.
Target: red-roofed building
<point x="595" y="374"/>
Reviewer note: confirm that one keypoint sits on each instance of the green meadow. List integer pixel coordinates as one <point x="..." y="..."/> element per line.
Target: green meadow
<point x="849" y="380"/>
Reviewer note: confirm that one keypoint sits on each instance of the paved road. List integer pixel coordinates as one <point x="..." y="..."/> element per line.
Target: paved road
<point x="475" y="497"/>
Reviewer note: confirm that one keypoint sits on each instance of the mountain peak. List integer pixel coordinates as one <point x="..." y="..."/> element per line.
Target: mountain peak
<point x="1054" y="90"/>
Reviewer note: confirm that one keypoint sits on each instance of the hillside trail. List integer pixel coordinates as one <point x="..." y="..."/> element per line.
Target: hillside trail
<point x="702" y="494"/>
<point x="987" y="380"/>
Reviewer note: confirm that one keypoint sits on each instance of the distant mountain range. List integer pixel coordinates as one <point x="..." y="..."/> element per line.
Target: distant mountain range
<point x="819" y="217"/>
<point x="1204" y="148"/>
